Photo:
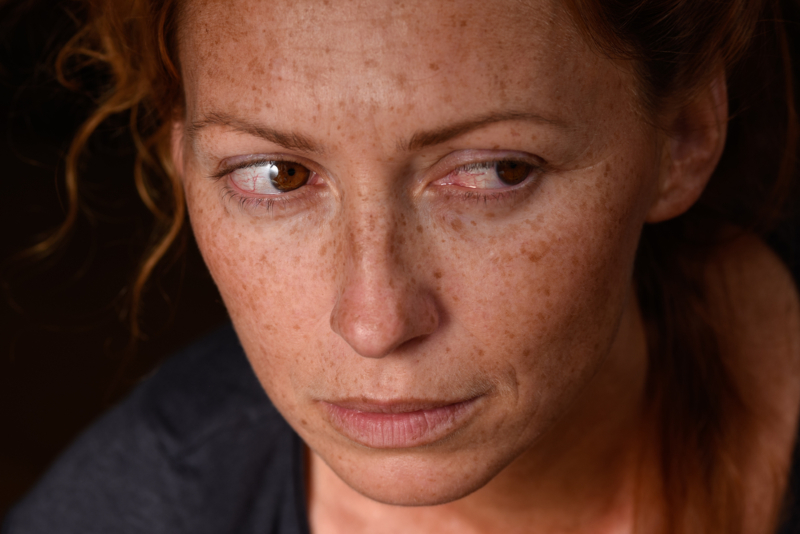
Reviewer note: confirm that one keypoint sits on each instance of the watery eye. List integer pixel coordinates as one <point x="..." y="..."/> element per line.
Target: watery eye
<point x="496" y="174"/>
<point x="271" y="177"/>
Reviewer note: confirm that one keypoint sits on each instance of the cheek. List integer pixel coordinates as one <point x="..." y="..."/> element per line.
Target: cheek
<point x="272" y="277"/>
<point x="545" y="294"/>
<point x="531" y="302"/>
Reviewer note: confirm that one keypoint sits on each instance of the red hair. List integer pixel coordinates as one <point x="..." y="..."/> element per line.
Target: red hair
<point x="675" y="46"/>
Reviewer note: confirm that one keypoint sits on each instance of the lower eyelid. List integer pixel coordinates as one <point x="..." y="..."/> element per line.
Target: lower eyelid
<point x="257" y="205"/>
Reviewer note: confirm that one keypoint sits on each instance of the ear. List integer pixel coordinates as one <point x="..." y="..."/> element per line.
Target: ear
<point x="176" y="146"/>
<point x="695" y="138"/>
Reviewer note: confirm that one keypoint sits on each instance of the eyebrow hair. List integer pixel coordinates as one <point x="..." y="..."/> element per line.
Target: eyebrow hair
<point x="434" y="137"/>
<point x="418" y="141"/>
<point x="286" y="140"/>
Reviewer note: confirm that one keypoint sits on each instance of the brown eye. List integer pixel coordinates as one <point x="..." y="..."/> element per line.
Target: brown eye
<point x="289" y="175"/>
<point x="513" y="172"/>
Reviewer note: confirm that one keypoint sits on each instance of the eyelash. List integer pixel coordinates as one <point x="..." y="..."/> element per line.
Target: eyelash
<point x="501" y="196"/>
<point x="263" y="203"/>
<point x="487" y="196"/>
<point x="268" y="204"/>
<point x="246" y="203"/>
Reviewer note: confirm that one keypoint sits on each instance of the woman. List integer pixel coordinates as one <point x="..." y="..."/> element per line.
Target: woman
<point x="492" y="262"/>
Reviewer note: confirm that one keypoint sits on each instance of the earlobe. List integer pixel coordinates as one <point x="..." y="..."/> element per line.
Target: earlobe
<point x="176" y="147"/>
<point x="694" y="142"/>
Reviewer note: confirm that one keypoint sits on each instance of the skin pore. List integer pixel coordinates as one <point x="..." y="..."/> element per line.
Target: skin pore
<point x="406" y="274"/>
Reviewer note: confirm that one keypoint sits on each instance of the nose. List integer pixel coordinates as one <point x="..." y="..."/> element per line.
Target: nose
<point x="381" y="305"/>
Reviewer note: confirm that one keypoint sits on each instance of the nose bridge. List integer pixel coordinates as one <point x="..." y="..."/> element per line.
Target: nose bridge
<point x="380" y="305"/>
<point x="372" y="236"/>
<point x="375" y="255"/>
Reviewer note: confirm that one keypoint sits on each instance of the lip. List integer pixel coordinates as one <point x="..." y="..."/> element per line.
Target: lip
<point x="401" y="424"/>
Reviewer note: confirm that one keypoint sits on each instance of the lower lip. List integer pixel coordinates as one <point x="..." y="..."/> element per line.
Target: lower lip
<point x="385" y="430"/>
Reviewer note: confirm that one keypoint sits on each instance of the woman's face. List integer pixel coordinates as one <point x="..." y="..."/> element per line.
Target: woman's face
<point x="422" y="217"/>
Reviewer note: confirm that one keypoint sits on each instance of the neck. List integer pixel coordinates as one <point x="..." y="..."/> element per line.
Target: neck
<point x="582" y="476"/>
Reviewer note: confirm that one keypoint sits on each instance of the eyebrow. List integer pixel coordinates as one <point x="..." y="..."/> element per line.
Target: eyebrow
<point x="435" y="137"/>
<point x="286" y="140"/>
<point x="418" y="141"/>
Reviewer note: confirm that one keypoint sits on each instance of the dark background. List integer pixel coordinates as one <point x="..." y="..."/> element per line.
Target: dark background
<point x="65" y="353"/>
<point x="64" y="349"/>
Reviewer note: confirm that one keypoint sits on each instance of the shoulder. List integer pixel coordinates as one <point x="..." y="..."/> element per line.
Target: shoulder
<point x="756" y="310"/>
<point x="175" y="456"/>
<point x="204" y="391"/>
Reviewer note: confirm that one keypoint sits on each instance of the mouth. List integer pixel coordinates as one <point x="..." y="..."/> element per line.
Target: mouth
<point x="398" y="424"/>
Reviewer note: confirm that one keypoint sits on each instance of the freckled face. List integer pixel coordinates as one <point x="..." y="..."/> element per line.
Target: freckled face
<point x="422" y="218"/>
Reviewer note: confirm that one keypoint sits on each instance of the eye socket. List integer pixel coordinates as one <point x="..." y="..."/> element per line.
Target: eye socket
<point x="270" y="177"/>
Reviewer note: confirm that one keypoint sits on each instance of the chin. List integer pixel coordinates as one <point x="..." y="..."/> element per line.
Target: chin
<point x="417" y="491"/>
<point x="415" y="479"/>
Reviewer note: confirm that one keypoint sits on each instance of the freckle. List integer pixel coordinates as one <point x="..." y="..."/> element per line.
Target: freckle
<point x="433" y="66"/>
<point x="419" y="229"/>
<point x="447" y="349"/>
<point x="473" y="223"/>
<point x="296" y="327"/>
<point x="463" y="23"/>
<point x="490" y="215"/>
<point x="455" y="298"/>
<point x="457" y="225"/>
<point x="323" y="249"/>
<point x="437" y="274"/>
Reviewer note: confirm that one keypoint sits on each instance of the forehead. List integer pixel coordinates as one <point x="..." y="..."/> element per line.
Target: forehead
<point x="385" y="59"/>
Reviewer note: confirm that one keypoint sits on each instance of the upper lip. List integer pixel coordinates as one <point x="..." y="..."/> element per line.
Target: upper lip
<point x="394" y="406"/>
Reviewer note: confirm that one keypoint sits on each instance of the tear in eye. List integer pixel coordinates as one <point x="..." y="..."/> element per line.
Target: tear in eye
<point x="513" y="172"/>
